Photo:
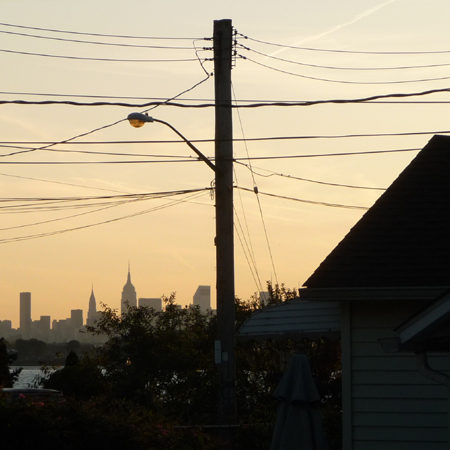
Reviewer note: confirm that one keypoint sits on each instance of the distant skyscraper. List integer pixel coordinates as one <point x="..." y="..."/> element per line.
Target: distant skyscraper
<point x="25" y="315"/>
<point x="202" y="297"/>
<point x="155" y="303"/>
<point x="92" y="314"/>
<point x="76" y="318"/>
<point x="128" y="294"/>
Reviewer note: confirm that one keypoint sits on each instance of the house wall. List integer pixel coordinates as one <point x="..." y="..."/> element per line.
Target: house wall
<point x="388" y="404"/>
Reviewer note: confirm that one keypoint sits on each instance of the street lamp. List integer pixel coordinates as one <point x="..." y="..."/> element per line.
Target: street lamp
<point x="224" y="345"/>
<point x="138" y="120"/>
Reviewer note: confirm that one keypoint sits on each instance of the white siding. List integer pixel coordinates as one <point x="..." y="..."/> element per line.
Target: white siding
<point x="392" y="406"/>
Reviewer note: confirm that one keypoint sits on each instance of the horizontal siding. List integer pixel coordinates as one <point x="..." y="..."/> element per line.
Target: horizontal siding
<point x="395" y="363"/>
<point x="393" y="405"/>
<point x="392" y="377"/>
<point x="371" y="334"/>
<point x="425" y="392"/>
<point x="396" y="434"/>
<point x="404" y="445"/>
<point x="430" y="420"/>
<point x="399" y="406"/>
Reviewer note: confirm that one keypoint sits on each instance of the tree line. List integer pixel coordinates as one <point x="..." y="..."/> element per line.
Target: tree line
<point x="163" y="363"/>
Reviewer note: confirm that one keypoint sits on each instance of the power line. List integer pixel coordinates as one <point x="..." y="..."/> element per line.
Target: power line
<point x="160" y="99"/>
<point x="51" y="30"/>
<point x="332" y="205"/>
<point x="75" y="163"/>
<point x="236" y="101"/>
<point x="85" y="58"/>
<point x="78" y="41"/>
<point x="144" y="195"/>
<point x="91" y="152"/>
<point x="319" y="66"/>
<point x="52" y="233"/>
<point x="58" y="182"/>
<point x="111" y="124"/>
<point x="257" y="197"/>
<point x="345" y="51"/>
<point x="44" y="222"/>
<point x="324" y="155"/>
<point x="328" y="80"/>
<point x="237" y="160"/>
<point x="374" y="99"/>
<point x="272" y="173"/>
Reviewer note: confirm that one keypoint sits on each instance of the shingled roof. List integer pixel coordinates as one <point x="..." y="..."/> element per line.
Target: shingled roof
<point x="404" y="239"/>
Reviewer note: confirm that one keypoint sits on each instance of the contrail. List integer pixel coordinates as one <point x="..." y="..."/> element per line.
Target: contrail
<point x="338" y="27"/>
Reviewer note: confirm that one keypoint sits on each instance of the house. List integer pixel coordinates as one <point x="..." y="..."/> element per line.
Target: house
<point x="386" y="287"/>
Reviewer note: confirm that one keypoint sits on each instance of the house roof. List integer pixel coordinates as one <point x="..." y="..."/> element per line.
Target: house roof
<point x="404" y="238"/>
<point x="293" y="319"/>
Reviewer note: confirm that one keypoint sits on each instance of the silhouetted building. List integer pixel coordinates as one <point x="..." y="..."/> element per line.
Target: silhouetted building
<point x="5" y="328"/>
<point x="62" y="331"/>
<point x="202" y="297"/>
<point x="128" y="294"/>
<point x="25" y="315"/>
<point x="76" y="318"/>
<point x="155" y="303"/>
<point x="40" y="329"/>
<point x="92" y="314"/>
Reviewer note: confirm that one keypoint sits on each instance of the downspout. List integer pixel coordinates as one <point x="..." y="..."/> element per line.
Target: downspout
<point x="426" y="371"/>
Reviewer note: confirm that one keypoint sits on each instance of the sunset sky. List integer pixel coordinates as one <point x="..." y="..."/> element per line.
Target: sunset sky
<point x="58" y="249"/>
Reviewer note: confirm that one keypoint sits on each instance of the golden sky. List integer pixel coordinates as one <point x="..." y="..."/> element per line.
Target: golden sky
<point x="286" y="51"/>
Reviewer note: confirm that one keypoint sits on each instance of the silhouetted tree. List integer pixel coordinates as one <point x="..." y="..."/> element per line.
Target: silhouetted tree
<point x="162" y="359"/>
<point x="7" y="378"/>
<point x="32" y="348"/>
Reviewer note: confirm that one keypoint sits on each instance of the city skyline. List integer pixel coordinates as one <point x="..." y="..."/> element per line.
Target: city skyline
<point x="201" y="297"/>
<point x="83" y="192"/>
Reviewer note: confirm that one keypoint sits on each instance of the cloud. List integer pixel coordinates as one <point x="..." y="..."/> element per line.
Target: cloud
<point x="338" y="27"/>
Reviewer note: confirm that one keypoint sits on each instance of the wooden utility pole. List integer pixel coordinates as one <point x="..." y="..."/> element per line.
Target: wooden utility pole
<point x="225" y="340"/>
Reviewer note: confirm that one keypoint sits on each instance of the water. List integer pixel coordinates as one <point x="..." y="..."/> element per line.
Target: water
<point x="27" y="377"/>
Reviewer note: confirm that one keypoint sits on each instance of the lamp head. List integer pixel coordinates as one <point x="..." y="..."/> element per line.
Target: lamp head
<point x="138" y="120"/>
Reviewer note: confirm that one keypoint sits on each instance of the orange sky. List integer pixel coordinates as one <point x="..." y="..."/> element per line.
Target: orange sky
<point x="170" y="242"/>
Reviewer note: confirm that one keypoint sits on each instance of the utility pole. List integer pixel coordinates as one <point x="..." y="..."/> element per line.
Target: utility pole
<point x="225" y="340"/>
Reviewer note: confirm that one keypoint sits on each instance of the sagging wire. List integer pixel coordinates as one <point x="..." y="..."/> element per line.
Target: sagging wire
<point x="255" y="189"/>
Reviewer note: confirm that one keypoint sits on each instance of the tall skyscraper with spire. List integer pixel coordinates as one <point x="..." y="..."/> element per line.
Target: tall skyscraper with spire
<point x="128" y="294"/>
<point x="92" y="314"/>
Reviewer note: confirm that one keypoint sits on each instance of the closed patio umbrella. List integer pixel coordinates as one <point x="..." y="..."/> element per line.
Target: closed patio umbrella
<point x="299" y="423"/>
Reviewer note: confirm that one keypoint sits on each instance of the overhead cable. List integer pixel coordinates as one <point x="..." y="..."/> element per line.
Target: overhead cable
<point x="332" y="205"/>
<point x="359" y="52"/>
<point x="101" y="34"/>
<point x="319" y="66"/>
<point x="236" y="101"/>
<point x="372" y="98"/>
<point x="52" y="233"/>
<point x="328" y="80"/>
<point x="85" y="58"/>
<point x="292" y="177"/>
<point x="114" y="44"/>
<point x="108" y="125"/>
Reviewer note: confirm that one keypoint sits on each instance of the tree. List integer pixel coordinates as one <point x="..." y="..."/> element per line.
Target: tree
<point x="163" y="359"/>
<point x="80" y="379"/>
<point x="32" y="348"/>
<point x="7" y="378"/>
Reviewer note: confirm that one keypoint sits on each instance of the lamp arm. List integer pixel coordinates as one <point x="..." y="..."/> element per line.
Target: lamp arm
<point x="195" y="149"/>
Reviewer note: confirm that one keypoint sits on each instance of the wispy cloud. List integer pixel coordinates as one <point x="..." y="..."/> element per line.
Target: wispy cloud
<point x="338" y="27"/>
